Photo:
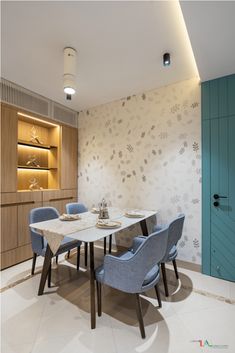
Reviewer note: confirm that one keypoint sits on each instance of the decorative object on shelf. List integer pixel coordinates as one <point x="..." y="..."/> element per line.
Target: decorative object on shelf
<point x="103" y="210"/>
<point x="34" y="136"/>
<point x="32" y="161"/>
<point x="34" y="185"/>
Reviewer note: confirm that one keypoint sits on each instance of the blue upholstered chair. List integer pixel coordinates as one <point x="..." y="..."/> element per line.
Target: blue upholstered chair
<point x="75" y="208"/>
<point x="39" y="244"/>
<point x="134" y="271"/>
<point x="174" y="235"/>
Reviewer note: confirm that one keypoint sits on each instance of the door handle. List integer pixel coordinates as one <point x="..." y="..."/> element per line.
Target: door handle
<point x="216" y="197"/>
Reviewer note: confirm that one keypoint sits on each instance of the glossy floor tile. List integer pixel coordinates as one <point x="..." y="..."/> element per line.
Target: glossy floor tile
<point x="199" y="308"/>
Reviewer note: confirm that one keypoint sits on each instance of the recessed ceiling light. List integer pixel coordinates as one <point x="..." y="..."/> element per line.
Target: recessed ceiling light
<point x="166" y="59"/>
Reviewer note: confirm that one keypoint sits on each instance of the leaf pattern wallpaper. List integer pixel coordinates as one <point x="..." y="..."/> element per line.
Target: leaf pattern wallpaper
<point x="144" y="151"/>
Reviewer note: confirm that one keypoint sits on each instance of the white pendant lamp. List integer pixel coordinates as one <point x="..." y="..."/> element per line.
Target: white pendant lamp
<point x="70" y="59"/>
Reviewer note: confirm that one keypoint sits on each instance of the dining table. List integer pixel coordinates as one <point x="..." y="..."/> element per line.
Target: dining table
<point x="85" y="229"/>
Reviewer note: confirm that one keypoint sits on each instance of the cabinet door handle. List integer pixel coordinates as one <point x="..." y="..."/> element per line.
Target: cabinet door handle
<point x="62" y="198"/>
<point x="18" y="203"/>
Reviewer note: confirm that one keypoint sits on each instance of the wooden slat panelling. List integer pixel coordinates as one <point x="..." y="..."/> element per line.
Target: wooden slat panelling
<point x="8" y="149"/>
<point x="69" y="158"/>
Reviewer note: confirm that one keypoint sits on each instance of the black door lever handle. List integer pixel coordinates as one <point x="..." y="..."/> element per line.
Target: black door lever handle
<point x="216" y="197"/>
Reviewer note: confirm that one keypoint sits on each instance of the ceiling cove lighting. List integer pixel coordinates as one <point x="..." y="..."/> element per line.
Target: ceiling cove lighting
<point x="166" y="59"/>
<point x="70" y="58"/>
<point x="37" y="119"/>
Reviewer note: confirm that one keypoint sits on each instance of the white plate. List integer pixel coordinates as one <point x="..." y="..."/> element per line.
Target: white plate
<point x="108" y="224"/>
<point x="69" y="217"/>
<point x="134" y="214"/>
<point x="95" y="210"/>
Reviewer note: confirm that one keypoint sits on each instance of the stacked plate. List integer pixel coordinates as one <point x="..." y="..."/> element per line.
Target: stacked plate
<point x="108" y="224"/>
<point x="134" y="214"/>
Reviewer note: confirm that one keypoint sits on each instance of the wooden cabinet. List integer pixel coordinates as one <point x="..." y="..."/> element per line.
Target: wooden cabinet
<point x="32" y="200"/>
<point x="8" y="149"/>
<point x="56" y="156"/>
<point x="8" y="227"/>
<point x="69" y="158"/>
<point x="15" y="236"/>
<point x="59" y="198"/>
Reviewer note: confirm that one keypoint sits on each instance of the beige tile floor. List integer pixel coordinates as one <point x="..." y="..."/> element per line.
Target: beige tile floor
<point x="200" y="307"/>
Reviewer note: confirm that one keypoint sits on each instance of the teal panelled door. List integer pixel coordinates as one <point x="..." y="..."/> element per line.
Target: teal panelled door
<point x="222" y="180"/>
<point x="218" y="177"/>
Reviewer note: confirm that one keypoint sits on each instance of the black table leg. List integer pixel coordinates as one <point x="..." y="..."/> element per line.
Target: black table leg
<point x="92" y="286"/>
<point x="86" y="253"/>
<point x="104" y="246"/>
<point x="110" y="243"/>
<point x="45" y="269"/>
<point x="144" y="227"/>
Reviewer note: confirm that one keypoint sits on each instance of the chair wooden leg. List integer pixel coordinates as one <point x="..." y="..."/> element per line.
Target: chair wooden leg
<point x="164" y="279"/>
<point x="140" y="316"/>
<point x="68" y="254"/>
<point x="78" y="257"/>
<point x="110" y="243"/>
<point x="99" y="299"/>
<point x="158" y="295"/>
<point x="49" y="277"/>
<point x="34" y="263"/>
<point x="86" y="253"/>
<point x="175" y="268"/>
<point x="105" y="246"/>
<point x="56" y="259"/>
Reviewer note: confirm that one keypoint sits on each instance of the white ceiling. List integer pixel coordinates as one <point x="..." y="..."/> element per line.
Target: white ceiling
<point x="211" y="28"/>
<point x="119" y="45"/>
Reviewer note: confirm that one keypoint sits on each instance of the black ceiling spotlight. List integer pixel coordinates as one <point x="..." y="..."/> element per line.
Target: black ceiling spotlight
<point x="166" y="59"/>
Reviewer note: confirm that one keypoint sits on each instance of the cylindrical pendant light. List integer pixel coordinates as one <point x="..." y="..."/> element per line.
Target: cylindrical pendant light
<point x="70" y="60"/>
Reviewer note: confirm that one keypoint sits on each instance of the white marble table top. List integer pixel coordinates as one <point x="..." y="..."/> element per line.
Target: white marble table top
<point x="85" y="229"/>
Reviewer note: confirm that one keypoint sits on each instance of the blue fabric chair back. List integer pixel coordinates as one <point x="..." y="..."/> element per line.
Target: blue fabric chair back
<point x="174" y="234"/>
<point x="75" y="208"/>
<point x="128" y="274"/>
<point x="40" y="214"/>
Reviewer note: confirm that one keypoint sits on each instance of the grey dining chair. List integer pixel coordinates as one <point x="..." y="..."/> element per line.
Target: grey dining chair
<point x="39" y="243"/>
<point x="134" y="271"/>
<point x="174" y="235"/>
<point x="75" y="208"/>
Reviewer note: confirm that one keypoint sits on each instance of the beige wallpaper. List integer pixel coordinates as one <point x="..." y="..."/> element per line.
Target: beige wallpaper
<point x="144" y="151"/>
